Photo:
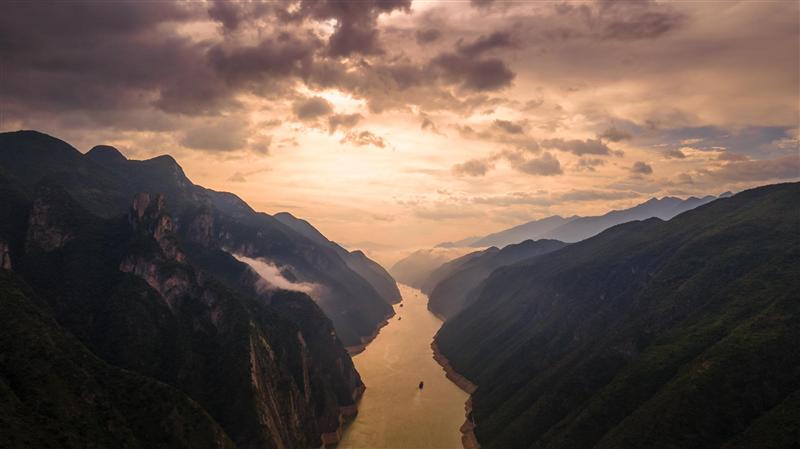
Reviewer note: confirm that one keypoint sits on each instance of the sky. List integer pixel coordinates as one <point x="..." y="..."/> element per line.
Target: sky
<point x="395" y="124"/>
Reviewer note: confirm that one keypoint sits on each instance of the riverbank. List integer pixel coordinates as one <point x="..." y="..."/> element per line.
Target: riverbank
<point x="357" y="349"/>
<point x="346" y="413"/>
<point x="468" y="439"/>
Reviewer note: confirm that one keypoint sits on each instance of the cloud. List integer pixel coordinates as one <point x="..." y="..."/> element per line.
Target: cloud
<point x="544" y="165"/>
<point x="615" y="135"/>
<point x="473" y="167"/>
<point x="674" y="153"/>
<point x="312" y="108"/>
<point x="476" y="75"/>
<point x="625" y="20"/>
<point x="428" y="35"/>
<point x="589" y="164"/>
<point x="346" y="121"/>
<point x="509" y="127"/>
<point x="364" y="138"/>
<point x="578" y="147"/>
<point x="596" y="195"/>
<point x="220" y="134"/>
<point x="498" y="39"/>
<point x="783" y="168"/>
<point x="274" y="278"/>
<point x="641" y="168"/>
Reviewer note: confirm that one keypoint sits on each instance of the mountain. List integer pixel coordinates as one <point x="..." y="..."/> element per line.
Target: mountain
<point x="57" y="394"/>
<point x="575" y="228"/>
<point x="451" y="267"/>
<point x="415" y="268"/>
<point x="681" y="333"/>
<point x="461" y="278"/>
<point x="459" y="243"/>
<point x="103" y="181"/>
<point x="527" y="231"/>
<point x="140" y="331"/>
<point x="356" y="260"/>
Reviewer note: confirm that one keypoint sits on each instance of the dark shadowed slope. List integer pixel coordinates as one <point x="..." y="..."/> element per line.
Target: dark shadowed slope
<point x="456" y="290"/>
<point x="54" y="393"/>
<point x="652" y="334"/>
<point x="104" y="182"/>
<point x="447" y="269"/>
<point x="265" y="364"/>
<point x="367" y="268"/>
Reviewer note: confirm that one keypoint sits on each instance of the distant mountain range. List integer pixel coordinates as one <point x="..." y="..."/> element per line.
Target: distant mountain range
<point x="416" y="268"/>
<point x="576" y="228"/>
<point x="679" y="333"/>
<point x="129" y="319"/>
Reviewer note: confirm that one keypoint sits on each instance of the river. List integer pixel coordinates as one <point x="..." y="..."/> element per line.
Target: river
<point x="394" y="413"/>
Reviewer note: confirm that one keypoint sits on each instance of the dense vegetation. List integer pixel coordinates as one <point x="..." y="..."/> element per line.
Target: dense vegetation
<point x="654" y="334"/>
<point x="457" y="283"/>
<point x="54" y="393"/>
<point x="132" y="330"/>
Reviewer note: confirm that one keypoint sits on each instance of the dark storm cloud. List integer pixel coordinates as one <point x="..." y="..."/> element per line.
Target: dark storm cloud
<point x="498" y="39"/>
<point x="427" y="35"/>
<point x="477" y="75"/>
<point x="356" y="30"/>
<point x="312" y="108"/>
<point x="90" y="55"/>
<point x="578" y="147"/>
<point x="278" y="56"/>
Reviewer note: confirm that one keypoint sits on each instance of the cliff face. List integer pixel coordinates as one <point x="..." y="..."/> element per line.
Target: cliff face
<point x="266" y="367"/>
<point x="651" y="334"/>
<point x="103" y="182"/>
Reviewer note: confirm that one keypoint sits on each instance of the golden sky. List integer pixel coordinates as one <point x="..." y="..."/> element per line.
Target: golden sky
<point x="392" y="124"/>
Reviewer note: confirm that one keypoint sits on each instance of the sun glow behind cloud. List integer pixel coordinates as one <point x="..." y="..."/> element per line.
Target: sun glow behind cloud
<point x="410" y="124"/>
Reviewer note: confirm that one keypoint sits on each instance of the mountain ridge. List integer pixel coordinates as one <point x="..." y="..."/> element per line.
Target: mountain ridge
<point x="671" y="333"/>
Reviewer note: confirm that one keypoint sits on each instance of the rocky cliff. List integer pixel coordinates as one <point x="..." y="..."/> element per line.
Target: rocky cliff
<point x="103" y="181"/>
<point x="265" y="368"/>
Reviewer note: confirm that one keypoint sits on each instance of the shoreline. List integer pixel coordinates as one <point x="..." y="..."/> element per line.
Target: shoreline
<point x="468" y="439"/>
<point x="346" y="413"/>
<point x="357" y="349"/>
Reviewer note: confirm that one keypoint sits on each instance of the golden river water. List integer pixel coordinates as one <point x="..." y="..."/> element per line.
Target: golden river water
<point x="394" y="413"/>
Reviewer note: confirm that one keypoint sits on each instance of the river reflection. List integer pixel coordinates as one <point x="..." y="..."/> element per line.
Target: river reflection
<point x="394" y="412"/>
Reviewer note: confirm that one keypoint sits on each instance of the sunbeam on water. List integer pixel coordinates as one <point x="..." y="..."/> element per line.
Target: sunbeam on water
<point x="394" y="412"/>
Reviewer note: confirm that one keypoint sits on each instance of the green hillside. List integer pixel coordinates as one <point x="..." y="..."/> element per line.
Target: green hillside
<point x="653" y="334"/>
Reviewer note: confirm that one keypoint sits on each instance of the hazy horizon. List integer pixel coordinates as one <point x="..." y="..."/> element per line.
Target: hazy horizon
<point x="404" y="124"/>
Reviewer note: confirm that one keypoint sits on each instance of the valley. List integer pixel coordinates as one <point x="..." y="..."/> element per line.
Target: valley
<point x="394" y="412"/>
